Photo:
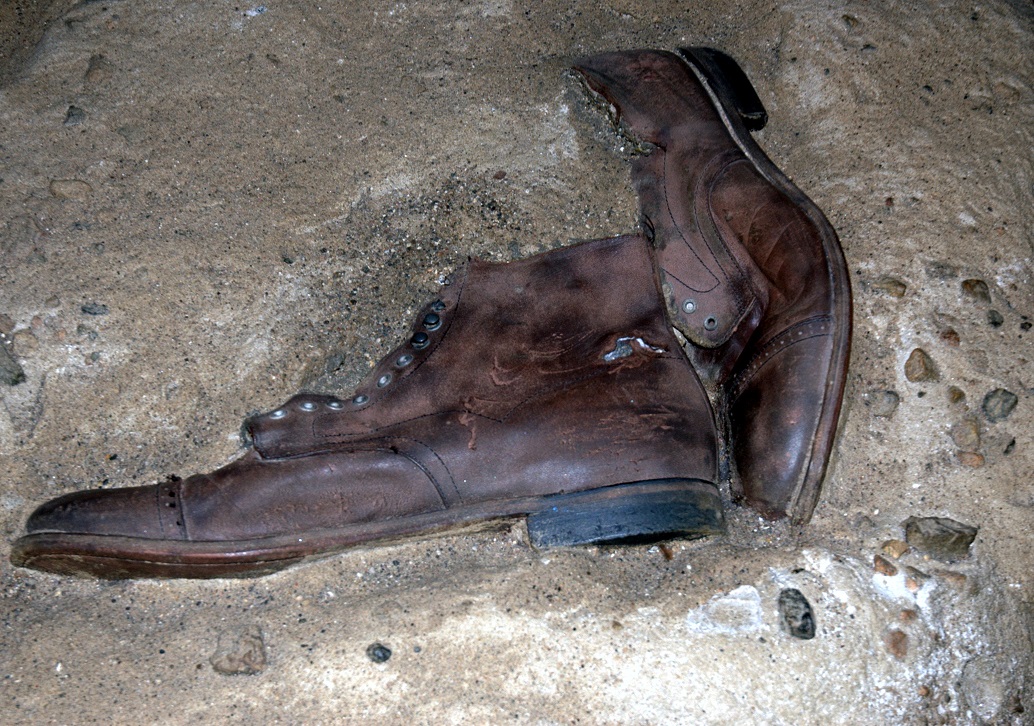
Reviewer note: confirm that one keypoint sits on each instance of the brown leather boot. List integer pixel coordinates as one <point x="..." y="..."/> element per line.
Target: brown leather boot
<point x="753" y="273"/>
<point x="551" y="387"/>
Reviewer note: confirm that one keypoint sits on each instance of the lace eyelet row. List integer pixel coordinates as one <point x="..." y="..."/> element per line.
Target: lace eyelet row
<point x="419" y="341"/>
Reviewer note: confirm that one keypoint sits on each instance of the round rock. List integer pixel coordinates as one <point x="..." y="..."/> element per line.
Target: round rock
<point x="998" y="404"/>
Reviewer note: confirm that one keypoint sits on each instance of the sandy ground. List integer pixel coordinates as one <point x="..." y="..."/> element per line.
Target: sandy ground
<point x="205" y="207"/>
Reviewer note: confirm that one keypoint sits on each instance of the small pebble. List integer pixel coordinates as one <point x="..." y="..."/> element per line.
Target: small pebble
<point x="920" y="367"/>
<point x="976" y="289"/>
<point x="240" y="652"/>
<point x="95" y="308"/>
<point x="940" y="537"/>
<point x="25" y="342"/>
<point x="334" y="361"/>
<point x="70" y="188"/>
<point x="6" y="324"/>
<point x="914" y="578"/>
<point x="882" y="403"/>
<point x="890" y="286"/>
<point x="971" y="459"/>
<point x="796" y="615"/>
<point x="923" y="691"/>
<point x="11" y="373"/>
<point x="998" y="404"/>
<point x="995" y="318"/>
<point x="378" y="653"/>
<point x="894" y="548"/>
<point x="955" y="579"/>
<point x="75" y="116"/>
<point x="896" y="643"/>
<point x="884" y="566"/>
<point x="99" y="69"/>
<point x="908" y="616"/>
<point x="951" y="337"/>
<point x="941" y="270"/>
<point x="956" y="394"/>
<point x="966" y="434"/>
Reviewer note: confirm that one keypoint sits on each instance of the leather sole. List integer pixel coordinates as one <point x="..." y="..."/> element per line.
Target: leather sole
<point x="741" y="111"/>
<point x="627" y="513"/>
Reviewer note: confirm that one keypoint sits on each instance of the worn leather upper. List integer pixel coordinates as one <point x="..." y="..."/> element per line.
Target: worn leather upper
<point x="557" y="373"/>
<point x="753" y="273"/>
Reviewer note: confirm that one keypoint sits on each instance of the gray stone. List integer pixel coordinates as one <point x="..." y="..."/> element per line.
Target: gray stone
<point x="940" y="537"/>
<point x="984" y="687"/>
<point x="75" y="116"/>
<point x="939" y="270"/>
<point x="998" y="404"/>
<point x="966" y="434"/>
<point x="882" y="403"/>
<point x="378" y="653"/>
<point x="795" y="614"/>
<point x="11" y="373"/>
<point x="95" y="308"/>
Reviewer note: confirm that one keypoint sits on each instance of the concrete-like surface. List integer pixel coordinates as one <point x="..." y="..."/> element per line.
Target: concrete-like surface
<point x="261" y="197"/>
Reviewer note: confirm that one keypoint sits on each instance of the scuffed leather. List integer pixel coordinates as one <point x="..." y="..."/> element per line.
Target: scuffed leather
<point x="751" y="258"/>
<point x="553" y="374"/>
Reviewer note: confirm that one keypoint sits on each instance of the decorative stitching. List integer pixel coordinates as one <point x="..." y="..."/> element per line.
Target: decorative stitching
<point x="811" y="328"/>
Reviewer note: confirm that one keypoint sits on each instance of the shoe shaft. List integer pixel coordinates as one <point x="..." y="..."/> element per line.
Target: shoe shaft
<point x="752" y="272"/>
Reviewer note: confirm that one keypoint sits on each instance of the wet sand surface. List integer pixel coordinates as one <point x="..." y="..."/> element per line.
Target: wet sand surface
<point x="206" y="207"/>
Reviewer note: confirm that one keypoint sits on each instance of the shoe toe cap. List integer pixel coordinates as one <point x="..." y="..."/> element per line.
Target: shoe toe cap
<point x="130" y="512"/>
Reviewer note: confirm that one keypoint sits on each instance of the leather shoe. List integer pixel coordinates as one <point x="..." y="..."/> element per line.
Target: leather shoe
<point x="550" y="388"/>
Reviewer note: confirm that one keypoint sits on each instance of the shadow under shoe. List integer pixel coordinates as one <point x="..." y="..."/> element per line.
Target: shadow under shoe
<point x="550" y="388"/>
<point x="753" y="273"/>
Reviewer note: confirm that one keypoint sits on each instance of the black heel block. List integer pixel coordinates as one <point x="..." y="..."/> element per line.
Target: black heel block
<point x="644" y="511"/>
<point x="730" y="83"/>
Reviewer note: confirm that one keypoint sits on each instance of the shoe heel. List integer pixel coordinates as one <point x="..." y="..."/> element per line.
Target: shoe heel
<point x="629" y="514"/>
<point x="730" y="83"/>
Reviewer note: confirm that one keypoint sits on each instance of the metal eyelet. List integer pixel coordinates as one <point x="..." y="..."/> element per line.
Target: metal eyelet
<point x="336" y="405"/>
<point x="710" y="323"/>
<point x="432" y="321"/>
<point x="384" y="380"/>
<point x="689" y="306"/>
<point x="403" y="360"/>
<point x="360" y="399"/>
<point x="419" y="341"/>
<point x="307" y="406"/>
<point x="438" y="306"/>
<point x="279" y="413"/>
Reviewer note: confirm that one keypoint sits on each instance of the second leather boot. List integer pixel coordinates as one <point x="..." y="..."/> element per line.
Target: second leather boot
<point x="753" y="272"/>
<point x="551" y="387"/>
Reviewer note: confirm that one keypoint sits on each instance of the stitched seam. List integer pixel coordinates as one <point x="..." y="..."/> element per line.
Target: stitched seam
<point x="714" y="227"/>
<point x="805" y="330"/>
<point x="675" y="224"/>
<point x="452" y="479"/>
